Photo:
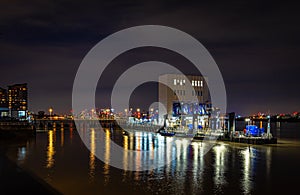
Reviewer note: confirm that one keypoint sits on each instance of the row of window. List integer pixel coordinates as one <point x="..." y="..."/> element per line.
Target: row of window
<point x="182" y="82"/>
<point x="21" y="89"/>
<point x="197" y="93"/>
<point x="179" y="81"/>
<point x="197" y="83"/>
<point x="179" y="92"/>
<point x="182" y="93"/>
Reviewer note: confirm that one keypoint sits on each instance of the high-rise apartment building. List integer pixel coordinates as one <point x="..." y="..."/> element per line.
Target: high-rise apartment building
<point x="18" y="100"/>
<point x="3" y="103"/>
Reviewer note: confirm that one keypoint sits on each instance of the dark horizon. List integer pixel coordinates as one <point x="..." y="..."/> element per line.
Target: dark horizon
<point x="255" y="44"/>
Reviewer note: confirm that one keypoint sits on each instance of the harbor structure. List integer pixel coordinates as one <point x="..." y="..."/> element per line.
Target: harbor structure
<point x="181" y="109"/>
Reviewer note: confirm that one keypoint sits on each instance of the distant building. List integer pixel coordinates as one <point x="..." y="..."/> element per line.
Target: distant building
<point x="18" y="101"/>
<point x="3" y="103"/>
<point x="191" y="112"/>
<point x="3" y="97"/>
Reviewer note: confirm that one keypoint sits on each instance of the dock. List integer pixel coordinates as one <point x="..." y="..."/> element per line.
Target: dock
<point x="254" y="140"/>
<point x="260" y="140"/>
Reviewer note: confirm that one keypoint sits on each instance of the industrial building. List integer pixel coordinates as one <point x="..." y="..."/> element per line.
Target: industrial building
<point x="186" y="105"/>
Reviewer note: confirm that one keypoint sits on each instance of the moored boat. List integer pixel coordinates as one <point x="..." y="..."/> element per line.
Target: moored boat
<point x="169" y="131"/>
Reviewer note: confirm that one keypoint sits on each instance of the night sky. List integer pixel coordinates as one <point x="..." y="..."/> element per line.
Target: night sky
<point x="254" y="43"/>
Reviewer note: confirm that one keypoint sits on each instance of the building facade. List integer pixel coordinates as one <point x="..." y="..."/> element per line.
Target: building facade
<point x="18" y="101"/>
<point x="3" y="103"/>
<point x="185" y="99"/>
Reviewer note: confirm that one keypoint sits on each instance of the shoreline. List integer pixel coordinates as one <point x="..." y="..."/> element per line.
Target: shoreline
<point x="15" y="180"/>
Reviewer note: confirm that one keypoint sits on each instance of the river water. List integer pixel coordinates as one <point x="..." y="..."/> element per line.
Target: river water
<point x="60" y="158"/>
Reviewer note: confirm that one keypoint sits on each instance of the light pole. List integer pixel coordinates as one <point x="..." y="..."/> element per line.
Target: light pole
<point x="269" y="127"/>
<point x="126" y="112"/>
<point x="247" y="120"/>
<point x="50" y="111"/>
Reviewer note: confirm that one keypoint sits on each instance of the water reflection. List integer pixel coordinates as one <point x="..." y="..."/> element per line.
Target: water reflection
<point x="198" y="167"/>
<point x="138" y="154"/>
<point x="106" y="156"/>
<point x="50" y="149"/>
<point x="125" y="156"/>
<point x="21" y="154"/>
<point x="193" y="169"/>
<point x="62" y="137"/>
<point x="220" y="167"/>
<point x="247" y="156"/>
<point x="268" y="160"/>
<point x="92" y="154"/>
<point x="278" y="129"/>
<point x="71" y="132"/>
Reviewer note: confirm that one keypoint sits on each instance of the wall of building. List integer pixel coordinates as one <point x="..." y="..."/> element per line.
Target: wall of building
<point x="187" y="94"/>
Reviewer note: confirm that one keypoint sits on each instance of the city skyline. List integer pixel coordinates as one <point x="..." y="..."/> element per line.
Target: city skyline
<point x="254" y="46"/>
<point x="149" y="97"/>
<point x="5" y="101"/>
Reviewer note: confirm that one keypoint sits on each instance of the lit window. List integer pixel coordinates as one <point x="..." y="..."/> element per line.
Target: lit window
<point x="193" y="83"/>
<point x="198" y="83"/>
<point x="174" y="81"/>
<point x="183" y="81"/>
<point x="201" y="84"/>
<point x="180" y="82"/>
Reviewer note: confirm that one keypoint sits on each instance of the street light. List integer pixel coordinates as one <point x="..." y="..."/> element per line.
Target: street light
<point x="248" y="120"/>
<point x="50" y="111"/>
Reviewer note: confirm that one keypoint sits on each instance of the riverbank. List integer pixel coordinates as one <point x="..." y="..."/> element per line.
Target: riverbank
<point x="15" y="180"/>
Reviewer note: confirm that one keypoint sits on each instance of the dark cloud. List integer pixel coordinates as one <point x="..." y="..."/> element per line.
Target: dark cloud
<point x="255" y="44"/>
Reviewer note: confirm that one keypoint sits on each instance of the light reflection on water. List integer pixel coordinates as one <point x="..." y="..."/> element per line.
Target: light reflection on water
<point x="225" y="167"/>
<point x="92" y="154"/>
<point x="246" y="181"/>
<point x="220" y="166"/>
<point x="164" y="149"/>
<point x="62" y="137"/>
<point x="107" y="156"/>
<point x="50" y="149"/>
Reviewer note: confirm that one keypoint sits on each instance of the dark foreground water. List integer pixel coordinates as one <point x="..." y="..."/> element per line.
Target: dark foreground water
<point x="61" y="159"/>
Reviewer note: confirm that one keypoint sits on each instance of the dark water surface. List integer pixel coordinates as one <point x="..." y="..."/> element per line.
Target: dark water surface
<point x="60" y="158"/>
